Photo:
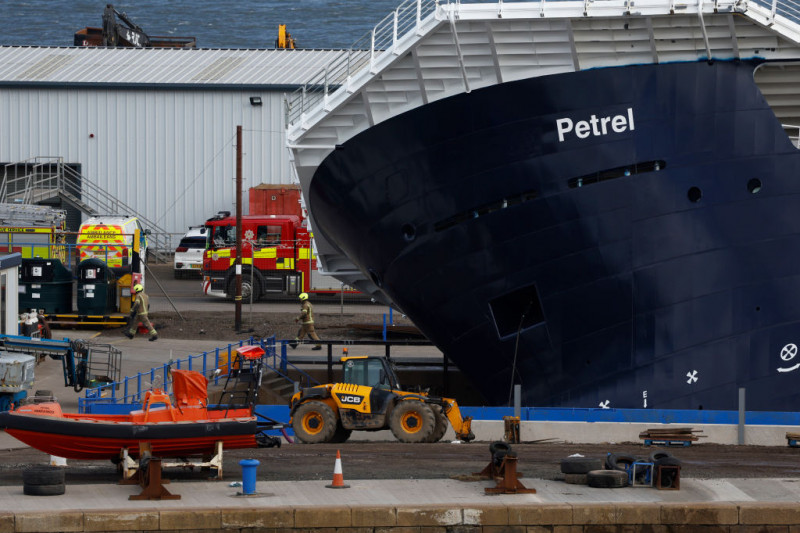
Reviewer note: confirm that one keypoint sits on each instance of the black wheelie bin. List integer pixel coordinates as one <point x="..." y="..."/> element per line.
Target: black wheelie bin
<point x="45" y="285"/>
<point x="97" y="288"/>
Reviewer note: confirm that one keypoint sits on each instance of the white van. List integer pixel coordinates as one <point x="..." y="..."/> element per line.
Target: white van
<point x="189" y="253"/>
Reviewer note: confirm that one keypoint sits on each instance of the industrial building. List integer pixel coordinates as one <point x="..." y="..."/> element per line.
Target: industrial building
<point x="145" y="131"/>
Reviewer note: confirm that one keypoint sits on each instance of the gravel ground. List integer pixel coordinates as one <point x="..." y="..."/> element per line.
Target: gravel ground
<point x="333" y="326"/>
<point x="394" y="460"/>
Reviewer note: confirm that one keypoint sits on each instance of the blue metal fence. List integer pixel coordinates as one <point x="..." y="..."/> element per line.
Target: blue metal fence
<point x="127" y="394"/>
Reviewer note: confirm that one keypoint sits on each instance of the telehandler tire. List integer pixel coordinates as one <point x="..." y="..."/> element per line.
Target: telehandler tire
<point x="341" y="434"/>
<point x="441" y="424"/>
<point x="412" y="421"/>
<point x="314" y="423"/>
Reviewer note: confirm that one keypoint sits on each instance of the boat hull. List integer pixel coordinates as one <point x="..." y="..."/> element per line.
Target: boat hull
<point x="98" y="439"/>
<point x="619" y="237"/>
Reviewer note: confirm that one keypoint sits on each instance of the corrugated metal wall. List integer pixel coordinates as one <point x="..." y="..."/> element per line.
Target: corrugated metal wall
<point x="169" y="154"/>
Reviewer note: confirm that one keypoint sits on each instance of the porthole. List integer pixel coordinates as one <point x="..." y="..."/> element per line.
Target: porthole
<point x="409" y="232"/>
<point x="694" y="194"/>
<point x="754" y="186"/>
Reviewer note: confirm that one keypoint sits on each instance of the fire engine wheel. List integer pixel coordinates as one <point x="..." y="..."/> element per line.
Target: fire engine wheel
<point x="412" y="421"/>
<point x="314" y="423"/>
<point x="247" y="288"/>
<point x="441" y="424"/>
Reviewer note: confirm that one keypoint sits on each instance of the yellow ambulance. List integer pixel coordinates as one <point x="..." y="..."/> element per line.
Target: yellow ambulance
<point x="112" y="239"/>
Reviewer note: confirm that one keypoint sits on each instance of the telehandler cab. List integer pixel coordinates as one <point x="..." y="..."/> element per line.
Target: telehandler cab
<point x="369" y="398"/>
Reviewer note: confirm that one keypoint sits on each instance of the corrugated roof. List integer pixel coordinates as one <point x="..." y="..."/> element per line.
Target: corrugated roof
<point x="160" y="66"/>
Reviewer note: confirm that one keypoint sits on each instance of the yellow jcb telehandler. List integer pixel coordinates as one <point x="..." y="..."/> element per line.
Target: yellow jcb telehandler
<point x="369" y="398"/>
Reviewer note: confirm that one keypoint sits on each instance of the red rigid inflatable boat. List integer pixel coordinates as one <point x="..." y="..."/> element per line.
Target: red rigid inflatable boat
<point x="186" y="428"/>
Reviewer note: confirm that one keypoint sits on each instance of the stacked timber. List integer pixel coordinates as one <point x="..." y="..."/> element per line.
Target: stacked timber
<point x="670" y="435"/>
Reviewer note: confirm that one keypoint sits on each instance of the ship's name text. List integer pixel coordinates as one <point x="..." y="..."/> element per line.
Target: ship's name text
<point x="595" y="126"/>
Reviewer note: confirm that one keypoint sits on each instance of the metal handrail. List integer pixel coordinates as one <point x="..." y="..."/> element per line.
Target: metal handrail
<point x="412" y="15"/>
<point x="134" y="387"/>
<point x="46" y="176"/>
<point x="361" y="55"/>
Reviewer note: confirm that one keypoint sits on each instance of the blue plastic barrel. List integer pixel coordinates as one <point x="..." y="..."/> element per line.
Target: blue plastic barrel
<point x="249" y="475"/>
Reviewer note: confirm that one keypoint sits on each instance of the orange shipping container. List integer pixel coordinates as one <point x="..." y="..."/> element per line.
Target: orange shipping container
<point x="275" y="200"/>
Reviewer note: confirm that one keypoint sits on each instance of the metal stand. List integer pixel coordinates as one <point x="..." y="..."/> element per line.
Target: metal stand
<point x="668" y="478"/>
<point x="641" y="475"/>
<point x="506" y="477"/>
<point x="149" y="477"/>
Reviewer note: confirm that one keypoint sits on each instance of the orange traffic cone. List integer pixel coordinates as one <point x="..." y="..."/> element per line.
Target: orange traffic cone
<point x="338" y="478"/>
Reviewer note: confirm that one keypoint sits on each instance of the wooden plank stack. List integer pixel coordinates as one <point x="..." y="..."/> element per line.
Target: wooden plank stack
<point x="670" y="435"/>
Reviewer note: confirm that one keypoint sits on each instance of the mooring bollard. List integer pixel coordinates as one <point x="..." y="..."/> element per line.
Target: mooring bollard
<point x="249" y="475"/>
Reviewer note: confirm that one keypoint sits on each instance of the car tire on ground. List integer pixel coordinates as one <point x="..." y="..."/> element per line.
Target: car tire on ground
<point x="43" y="475"/>
<point x="580" y="465"/>
<point x="607" y="479"/>
<point x="619" y="461"/>
<point x="43" y="490"/>
<point x="655" y="455"/>
<point x="576" y="479"/>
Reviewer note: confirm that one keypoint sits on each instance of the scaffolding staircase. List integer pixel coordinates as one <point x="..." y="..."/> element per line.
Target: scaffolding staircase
<point x="427" y="50"/>
<point x="44" y="178"/>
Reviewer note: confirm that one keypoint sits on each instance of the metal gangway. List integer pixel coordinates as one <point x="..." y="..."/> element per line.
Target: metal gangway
<point x="46" y="177"/>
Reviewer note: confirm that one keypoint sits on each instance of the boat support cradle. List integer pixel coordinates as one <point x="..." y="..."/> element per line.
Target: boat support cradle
<point x="130" y="467"/>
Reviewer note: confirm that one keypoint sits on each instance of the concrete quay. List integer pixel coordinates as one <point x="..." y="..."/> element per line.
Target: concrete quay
<point x="412" y="506"/>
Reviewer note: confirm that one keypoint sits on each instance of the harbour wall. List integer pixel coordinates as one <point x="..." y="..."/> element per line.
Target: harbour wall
<point x="597" y="426"/>
<point x="662" y="517"/>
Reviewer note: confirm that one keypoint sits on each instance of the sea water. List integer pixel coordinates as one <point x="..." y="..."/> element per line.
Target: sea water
<point x="318" y="24"/>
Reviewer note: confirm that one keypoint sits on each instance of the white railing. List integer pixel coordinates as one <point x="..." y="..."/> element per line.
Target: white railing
<point x="411" y="14"/>
<point x="362" y="54"/>
<point x="39" y="178"/>
<point x="793" y="132"/>
<point x="785" y="8"/>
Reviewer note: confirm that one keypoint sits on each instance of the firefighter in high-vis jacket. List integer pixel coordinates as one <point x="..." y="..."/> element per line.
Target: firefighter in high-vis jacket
<point x="139" y="314"/>
<point x="306" y="320"/>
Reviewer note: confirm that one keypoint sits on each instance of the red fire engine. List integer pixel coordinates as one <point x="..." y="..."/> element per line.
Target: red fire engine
<point x="277" y="258"/>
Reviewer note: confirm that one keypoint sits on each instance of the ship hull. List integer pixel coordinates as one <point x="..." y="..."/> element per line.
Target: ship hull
<point x="621" y="237"/>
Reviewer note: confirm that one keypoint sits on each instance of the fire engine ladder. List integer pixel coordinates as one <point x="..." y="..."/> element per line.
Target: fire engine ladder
<point x="41" y="178"/>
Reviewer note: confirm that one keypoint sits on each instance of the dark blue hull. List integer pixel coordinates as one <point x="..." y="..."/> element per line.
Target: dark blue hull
<point x="626" y="237"/>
